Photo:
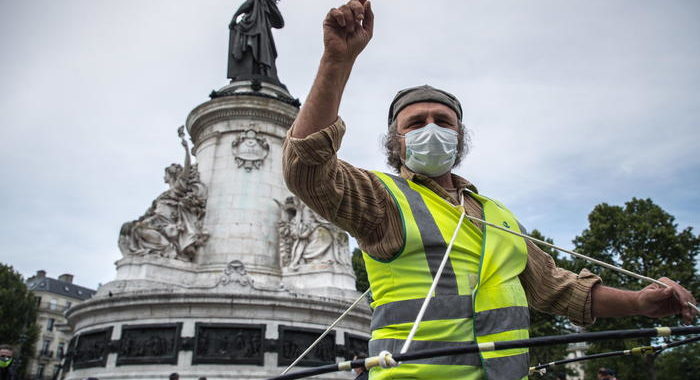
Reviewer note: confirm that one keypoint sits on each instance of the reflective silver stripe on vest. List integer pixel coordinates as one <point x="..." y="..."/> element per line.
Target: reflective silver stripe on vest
<point x="394" y="346"/>
<point x="441" y="307"/>
<point x="433" y="243"/>
<point x="500" y="320"/>
<point x="508" y="367"/>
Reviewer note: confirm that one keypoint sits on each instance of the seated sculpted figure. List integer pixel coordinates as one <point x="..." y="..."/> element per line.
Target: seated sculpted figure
<point x="172" y="226"/>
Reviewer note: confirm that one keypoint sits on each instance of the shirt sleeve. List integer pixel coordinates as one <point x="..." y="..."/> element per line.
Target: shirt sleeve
<point x="352" y="198"/>
<point x="555" y="290"/>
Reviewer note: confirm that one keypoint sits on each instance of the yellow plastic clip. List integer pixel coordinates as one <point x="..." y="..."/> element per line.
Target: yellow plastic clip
<point x="663" y="331"/>
<point x="644" y="350"/>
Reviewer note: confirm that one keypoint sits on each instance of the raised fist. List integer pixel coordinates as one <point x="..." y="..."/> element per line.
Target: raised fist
<point x="347" y="30"/>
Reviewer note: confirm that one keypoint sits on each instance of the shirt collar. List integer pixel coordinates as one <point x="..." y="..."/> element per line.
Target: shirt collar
<point x="428" y="182"/>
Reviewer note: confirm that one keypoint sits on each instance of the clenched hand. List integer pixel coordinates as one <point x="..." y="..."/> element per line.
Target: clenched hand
<point x="347" y="30"/>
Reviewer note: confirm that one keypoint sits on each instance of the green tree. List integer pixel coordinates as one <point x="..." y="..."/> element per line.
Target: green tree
<point x="543" y="324"/>
<point x="677" y="363"/>
<point x="17" y="315"/>
<point x="645" y="239"/>
<point x="358" y="265"/>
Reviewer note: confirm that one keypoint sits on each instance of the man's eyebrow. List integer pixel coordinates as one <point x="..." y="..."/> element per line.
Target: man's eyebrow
<point x="416" y="117"/>
<point x="446" y="115"/>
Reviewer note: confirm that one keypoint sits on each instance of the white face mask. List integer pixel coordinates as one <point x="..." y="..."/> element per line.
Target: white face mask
<point x="431" y="150"/>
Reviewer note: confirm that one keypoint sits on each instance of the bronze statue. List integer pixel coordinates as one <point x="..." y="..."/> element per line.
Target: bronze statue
<point x="252" y="50"/>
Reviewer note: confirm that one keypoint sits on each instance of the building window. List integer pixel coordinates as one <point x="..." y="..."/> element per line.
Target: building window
<point x="40" y="371"/>
<point x="68" y="304"/>
<point x="59" y="350"/>
<point x="38" y="301"/>
<point x="49" y="324"/>
<point x="45" y="347"/>
<point x="52" y="304"/>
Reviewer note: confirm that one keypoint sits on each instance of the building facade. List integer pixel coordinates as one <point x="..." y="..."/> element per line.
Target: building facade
<point x="54" y="297"/>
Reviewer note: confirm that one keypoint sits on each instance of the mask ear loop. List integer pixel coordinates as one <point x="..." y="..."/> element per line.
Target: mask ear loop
<point x="438" y="274"/>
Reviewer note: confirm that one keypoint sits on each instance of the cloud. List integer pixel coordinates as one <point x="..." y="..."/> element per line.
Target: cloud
<point x="570" y="104"/>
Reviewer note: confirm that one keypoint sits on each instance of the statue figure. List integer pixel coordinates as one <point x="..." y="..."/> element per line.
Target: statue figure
<point x="172" y="226"/>
<point x="288" y="213"/>
<point x="252" y="51"/>
<point x="314" y="241"/>
<point x="305" y="237"/>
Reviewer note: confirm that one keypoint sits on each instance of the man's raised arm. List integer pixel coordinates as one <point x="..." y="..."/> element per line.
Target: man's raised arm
<point x="346" y="32"/>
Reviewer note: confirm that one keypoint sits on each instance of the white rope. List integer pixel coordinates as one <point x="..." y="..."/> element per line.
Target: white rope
<point x="326" y="332"/>
<point x="438" y="274"/>
<point x="579" y="255"/>
<point x="385" y="360"/>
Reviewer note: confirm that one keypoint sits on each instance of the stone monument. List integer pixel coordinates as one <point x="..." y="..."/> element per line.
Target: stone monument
<point x="227" y="274"/>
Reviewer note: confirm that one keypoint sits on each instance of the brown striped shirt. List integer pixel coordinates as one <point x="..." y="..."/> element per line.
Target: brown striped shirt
<point x="356" y="201"/>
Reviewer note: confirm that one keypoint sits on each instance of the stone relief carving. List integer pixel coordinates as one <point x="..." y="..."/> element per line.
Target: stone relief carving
<point x="229" y="344"/>
<point x="293" y="341"/>
<point x="142" y="344"/>
<point x="91" y="349"/>
<point x="173" y="226"/>
<point x="307" y="238"/>
<point x="235" y="273"/>
<point x="249" y="150"/>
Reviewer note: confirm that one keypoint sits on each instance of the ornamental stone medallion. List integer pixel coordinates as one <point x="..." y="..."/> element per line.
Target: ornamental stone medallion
<point x="249" y="150"/>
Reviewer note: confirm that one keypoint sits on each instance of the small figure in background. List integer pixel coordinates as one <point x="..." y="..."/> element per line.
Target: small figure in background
<point x="361" y="373"/>
<point x="7" y="369"/>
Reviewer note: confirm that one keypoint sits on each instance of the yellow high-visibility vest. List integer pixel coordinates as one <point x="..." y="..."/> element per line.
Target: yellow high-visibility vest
<point x="479" y="297"/>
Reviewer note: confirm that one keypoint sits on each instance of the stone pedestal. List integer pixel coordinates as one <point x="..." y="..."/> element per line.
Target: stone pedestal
<point x="265" y="278"/>
<point x="245" y="334"/>
<point x="238" y="144"/>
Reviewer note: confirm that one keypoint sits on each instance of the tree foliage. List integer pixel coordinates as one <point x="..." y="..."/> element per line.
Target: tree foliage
<point x="358" y="265"/>
<point x="645" y="239"/>
<point x="676" y="364"/>
<point x="543" y="324"/>
<point x="18" y="311"/>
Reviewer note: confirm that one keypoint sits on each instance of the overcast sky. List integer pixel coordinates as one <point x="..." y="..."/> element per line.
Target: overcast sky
<point x="570" y="104"/>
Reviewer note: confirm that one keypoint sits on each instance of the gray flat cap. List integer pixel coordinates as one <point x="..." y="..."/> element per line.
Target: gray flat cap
<point x="423" y="93"/>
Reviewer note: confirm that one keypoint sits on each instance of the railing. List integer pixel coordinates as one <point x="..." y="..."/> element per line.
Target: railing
<point x="53" y="308"/>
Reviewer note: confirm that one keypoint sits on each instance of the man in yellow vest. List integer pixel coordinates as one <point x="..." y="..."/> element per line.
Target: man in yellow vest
<point x="403" y="225"/>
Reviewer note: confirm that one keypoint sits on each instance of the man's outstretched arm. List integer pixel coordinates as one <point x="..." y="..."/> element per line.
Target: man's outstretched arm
<point x="653" y="301"/>
<point x="346" y="32"/>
